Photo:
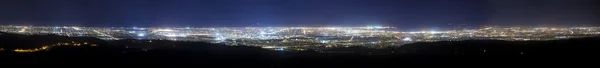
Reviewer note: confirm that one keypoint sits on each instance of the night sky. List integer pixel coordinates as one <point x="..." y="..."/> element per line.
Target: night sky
<point x="244" y="13"/>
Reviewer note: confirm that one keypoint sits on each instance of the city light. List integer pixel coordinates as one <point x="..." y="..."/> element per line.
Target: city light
<point x="310" y="37"/>
<point x="141" y="35"/>
<point x="407" y="39"/>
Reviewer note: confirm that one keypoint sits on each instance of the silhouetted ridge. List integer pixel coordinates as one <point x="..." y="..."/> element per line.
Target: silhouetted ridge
<point x="568" y="51"/>
<point x="497" y="47"/>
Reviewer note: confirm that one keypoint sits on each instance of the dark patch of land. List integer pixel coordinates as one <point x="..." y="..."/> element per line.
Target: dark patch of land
<point x="568" y="51"/>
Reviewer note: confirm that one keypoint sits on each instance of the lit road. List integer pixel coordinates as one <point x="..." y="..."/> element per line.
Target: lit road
<point x="104" y="34"/>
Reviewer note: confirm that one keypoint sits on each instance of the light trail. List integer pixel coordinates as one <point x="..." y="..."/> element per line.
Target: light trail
<point x="397" y="37"/>
<point x="76" y="28"/>
<point x="106" y="35"/>
<point x="23" y="29"/>
<point x="571" y="31"/>
<point x="351" y="38"/>
<point x="199" y="34"/>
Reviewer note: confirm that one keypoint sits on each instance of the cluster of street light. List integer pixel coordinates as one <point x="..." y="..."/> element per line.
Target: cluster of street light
<point x="46" y="47"/>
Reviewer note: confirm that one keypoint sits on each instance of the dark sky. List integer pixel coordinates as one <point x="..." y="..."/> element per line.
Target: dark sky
<point x="242" y="13"/>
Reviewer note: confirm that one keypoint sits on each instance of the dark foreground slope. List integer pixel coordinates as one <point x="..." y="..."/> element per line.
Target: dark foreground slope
<point x="569" y="51"/>
<point x="572" y="51"/>
<point x="125" y="51"/>
<point x="469" y="52"/>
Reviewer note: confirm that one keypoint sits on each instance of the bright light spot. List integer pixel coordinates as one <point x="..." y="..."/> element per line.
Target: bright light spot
<point x="407" y="39"/>
<point x="268" y="47"/>
<point x="219" y="38"/>
<point x="76" y="28"/>
<point x="164" y="30"/>
<point x="141" y="34"/>
<point x="375" y="27"/>
<point x="280" y="49"/>
<point x="23" y="29"/>
<point x="324" y="41"/>
<point x="445" y="36"/>
<point x="262" y="32"/>
<point x="414" y="32"/>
